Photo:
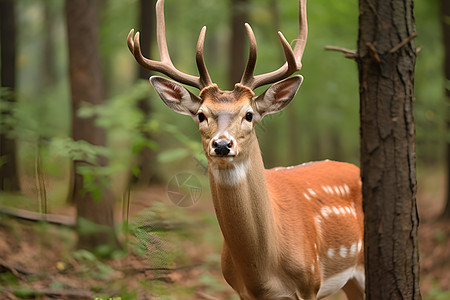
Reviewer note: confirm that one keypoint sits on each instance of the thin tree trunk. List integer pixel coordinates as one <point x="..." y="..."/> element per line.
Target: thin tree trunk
<point x="147" y="156"/>
<point x="237" y="43"/>
<point x="49" y="75"/>
<point x="292" y="117"/>
<point x="386" y="59"/>
<point x="445" y="17"/>
<point x="86" y="86"/>
<point x="9" y="179"/>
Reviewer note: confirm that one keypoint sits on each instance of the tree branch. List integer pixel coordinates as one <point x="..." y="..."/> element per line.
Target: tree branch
<point x="403" y="43"/>
<point x="373" y="52"/>
<point x="347" y="52"/>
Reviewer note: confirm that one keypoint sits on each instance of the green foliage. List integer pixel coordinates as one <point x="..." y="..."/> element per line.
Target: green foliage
<point x="436" y="293"/>
<point x="91" y="266"/>
<point x="431" y="107"/>
<point x="212" y="283"/>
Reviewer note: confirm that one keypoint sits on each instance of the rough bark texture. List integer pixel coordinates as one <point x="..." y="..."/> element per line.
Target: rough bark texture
<point x="445" y="20"/>
<point x="238" y="40"/>
<point x="9" y="179"/>
<point x="86" y="86"/>
<point x="386" y="59"/>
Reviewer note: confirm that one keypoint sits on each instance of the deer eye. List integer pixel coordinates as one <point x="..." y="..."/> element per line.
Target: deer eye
<point x="249" y="116"/>
<point x="201" y="117"/>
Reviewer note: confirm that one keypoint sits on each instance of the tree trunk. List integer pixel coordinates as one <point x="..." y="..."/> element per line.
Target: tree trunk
<point x="9" y="179"/>
<point x="445" y="17"/>
<point x="86" y="86"/>
<point x="49" y="74"/>
<point x="237" y="43"/>
<point x="147" y="27"/>
<point x="386" y="59"/>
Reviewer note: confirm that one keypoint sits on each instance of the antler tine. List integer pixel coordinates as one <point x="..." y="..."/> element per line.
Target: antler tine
<point x="205" y="79"/>
<point x="161" y="33"/>
<point x="130" y="42"/>
<point x="293" y="57"/>
<point x="247" y="77"/>
<point x="166" y="66"/>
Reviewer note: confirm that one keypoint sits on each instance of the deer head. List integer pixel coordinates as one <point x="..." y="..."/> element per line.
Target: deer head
<point x="226" y="118"/>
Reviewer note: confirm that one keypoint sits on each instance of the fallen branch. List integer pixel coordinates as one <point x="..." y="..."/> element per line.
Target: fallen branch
<point x="164" y="225"/>
<point x="5" y="267"/>
<point x="203" y="295"/>
<point x="135" y="270"/>
<point x="37" y="217"/>
<point x="36" y="292"/>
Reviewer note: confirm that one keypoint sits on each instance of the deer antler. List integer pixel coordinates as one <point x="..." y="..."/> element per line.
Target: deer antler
<point x="293" y="57"/>
<point x="166" y="66"/>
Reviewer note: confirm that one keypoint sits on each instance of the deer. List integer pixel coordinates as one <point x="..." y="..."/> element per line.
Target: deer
<point x="289" y="232"/>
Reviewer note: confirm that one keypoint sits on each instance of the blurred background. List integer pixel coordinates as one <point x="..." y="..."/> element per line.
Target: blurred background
<point x="121" y="178"/>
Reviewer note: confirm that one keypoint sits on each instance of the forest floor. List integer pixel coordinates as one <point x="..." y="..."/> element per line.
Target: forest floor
<point x="169" y="252"/>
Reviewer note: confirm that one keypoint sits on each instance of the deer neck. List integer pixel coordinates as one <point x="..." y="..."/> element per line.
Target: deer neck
<point x="244" y="210"/>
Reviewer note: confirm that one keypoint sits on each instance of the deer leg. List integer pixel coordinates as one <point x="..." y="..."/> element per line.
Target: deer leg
<point x="353" y="290"/>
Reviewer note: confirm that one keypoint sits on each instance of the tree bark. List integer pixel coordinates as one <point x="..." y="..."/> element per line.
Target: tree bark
<point x="86" y="86"/>
<point x="386" y="60"/>
<point x="9" y="178"/>
<point x="237" y="43"/>
<point x="445" y="21"/>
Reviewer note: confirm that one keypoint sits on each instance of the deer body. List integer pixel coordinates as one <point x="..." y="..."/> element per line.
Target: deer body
<point x="289" y="233"/>
<point x="281" y="241"/>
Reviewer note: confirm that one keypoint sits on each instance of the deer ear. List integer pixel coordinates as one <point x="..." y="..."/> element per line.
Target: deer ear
<point x="278" y="95"/>
<point x="176" y="96"/>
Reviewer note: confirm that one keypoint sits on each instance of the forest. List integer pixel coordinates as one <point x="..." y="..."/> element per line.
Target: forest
<point x="104" y="192"/>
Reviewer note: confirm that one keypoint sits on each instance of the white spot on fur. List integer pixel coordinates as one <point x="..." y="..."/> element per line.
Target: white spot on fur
<point x="231" y="176"/>
<point x="353" y="249"/>
<point x="318" y="220"/>
<point x="335" y="210"/>
<point x="330" y="190"/>
<point x="306" y="196"/>
<point x="336" y="189"/>
<point x="347" y="209"/>
<point x="342" y="210"/>
<point x="359" y="246"/>
<point x="343" y="252"/>
<point x="330" y="253"/>
<point x="311" y="192"/>
<point x="325" y="211"/>
<point x="341" y="188"/>
<point x="347" y="189"/>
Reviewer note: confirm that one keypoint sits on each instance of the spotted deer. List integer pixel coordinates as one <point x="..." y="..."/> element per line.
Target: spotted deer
<point x="289" y="233"/>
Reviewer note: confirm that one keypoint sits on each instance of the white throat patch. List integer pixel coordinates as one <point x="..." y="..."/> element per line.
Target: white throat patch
<point x="231" y="176"/>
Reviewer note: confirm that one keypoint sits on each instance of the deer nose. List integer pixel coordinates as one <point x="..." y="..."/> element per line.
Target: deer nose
<point x="222" y="146"/>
